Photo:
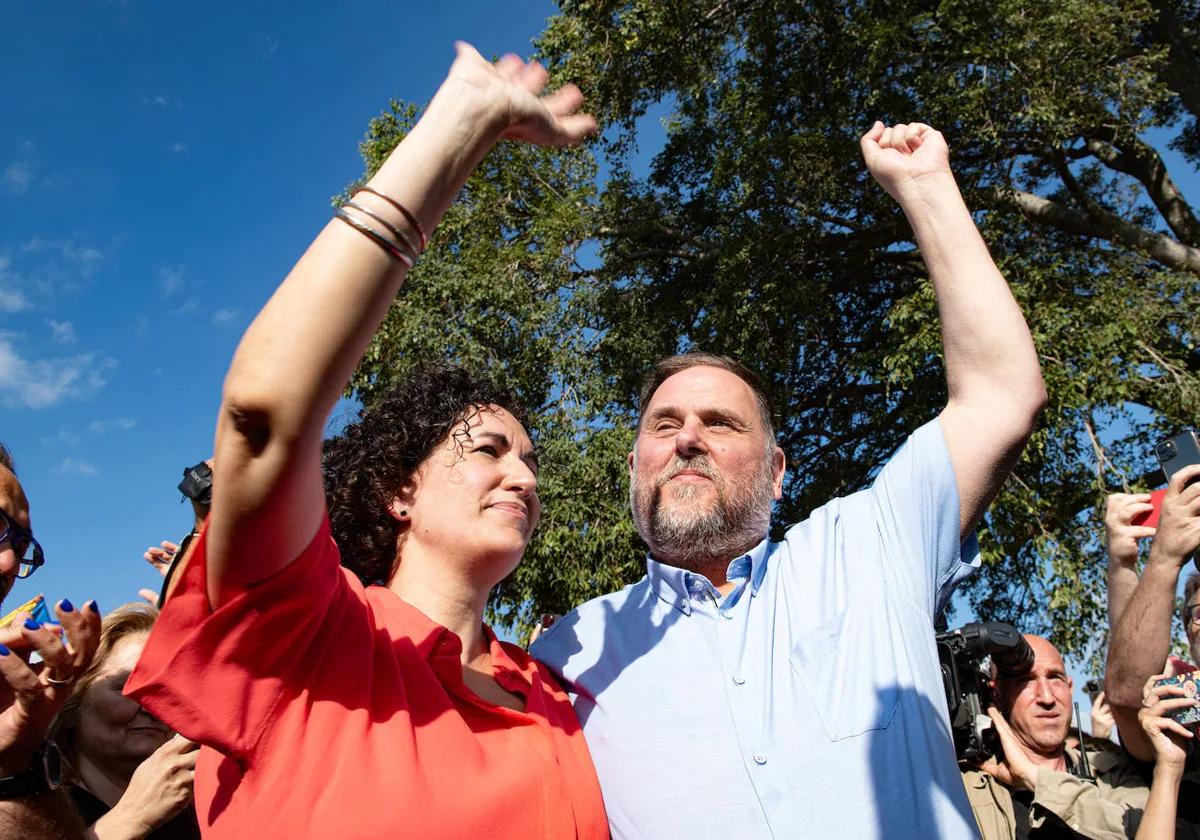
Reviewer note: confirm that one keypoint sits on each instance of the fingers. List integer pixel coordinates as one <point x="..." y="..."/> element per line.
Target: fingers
<point x="149" y="596"/>
<point x="1182" y="477"/>
<point x="59" y="661"/>
<point x="82" y="629"/>
<point x="903" y="137"/>
<point x="566" y="100"/>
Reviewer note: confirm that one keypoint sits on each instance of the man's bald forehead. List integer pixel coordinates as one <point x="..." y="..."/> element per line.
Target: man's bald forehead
<point x="1042" y="649"/>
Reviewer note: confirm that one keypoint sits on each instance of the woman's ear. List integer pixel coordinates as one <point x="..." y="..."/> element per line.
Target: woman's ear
<point x="401" y="504"/>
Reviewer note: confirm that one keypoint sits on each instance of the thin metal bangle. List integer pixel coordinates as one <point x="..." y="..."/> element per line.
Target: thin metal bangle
<point x="383" y="241"/>
<point x="412" y="220"/>
<point x="400" y="235"/>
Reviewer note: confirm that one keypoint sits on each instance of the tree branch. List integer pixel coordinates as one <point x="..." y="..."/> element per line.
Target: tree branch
<point x="1099" y="224"/>
<point x="1138" y="159"/>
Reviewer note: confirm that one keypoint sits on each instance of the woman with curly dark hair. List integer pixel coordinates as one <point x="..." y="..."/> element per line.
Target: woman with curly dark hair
<point x="372" y="700"/>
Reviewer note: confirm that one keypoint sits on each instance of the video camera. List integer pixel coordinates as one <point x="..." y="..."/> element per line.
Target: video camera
<point x="968" y="686"/>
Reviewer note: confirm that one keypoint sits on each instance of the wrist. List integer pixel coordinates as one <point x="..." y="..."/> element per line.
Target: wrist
<point x="1162" y="558"/>
<point x="928" y="191"/>
<point x="1168" y="771"/>
<point x="120" y="824"/>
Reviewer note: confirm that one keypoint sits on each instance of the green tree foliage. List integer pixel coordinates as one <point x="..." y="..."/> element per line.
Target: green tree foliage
<point x="757" y="232"/>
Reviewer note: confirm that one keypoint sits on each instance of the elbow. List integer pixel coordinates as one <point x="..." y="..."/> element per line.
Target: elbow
<point x="249" y="413"/>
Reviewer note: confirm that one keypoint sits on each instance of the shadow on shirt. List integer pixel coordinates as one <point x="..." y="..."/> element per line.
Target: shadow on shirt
<point x="904" y="787"/>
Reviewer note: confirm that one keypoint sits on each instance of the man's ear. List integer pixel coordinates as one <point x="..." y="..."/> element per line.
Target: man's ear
<point x="778" y="470"/>
<point x="629" y="461"/>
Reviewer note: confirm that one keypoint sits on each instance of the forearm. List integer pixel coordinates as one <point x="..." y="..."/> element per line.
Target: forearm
<point x="299" y="353"/>
<point x="49" y="816"/>
<point x="1122" y="581"/>
<point x="1142" y="642"/>
<point x="1158" y="819"/>
<point x="989" y="352"/>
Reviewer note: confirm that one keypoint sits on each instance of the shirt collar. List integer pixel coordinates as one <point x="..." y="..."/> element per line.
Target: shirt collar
<point x="674" y="585"/>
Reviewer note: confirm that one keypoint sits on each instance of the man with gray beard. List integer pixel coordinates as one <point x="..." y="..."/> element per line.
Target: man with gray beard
<point x="758" y="689"/>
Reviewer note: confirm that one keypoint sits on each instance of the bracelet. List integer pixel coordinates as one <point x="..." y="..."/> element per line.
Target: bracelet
<point x="382" y="240"/>
<point x="401" y="236"/>
<point x="409" y="217"/>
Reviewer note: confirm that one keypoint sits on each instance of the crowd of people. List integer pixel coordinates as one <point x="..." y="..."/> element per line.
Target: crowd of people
<point x="320" y="666"/>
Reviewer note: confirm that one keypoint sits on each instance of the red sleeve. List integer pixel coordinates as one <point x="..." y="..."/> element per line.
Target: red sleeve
<point x="217" y="677"/>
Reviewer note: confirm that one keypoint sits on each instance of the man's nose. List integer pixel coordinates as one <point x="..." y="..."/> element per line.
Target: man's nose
<point x="9" y="562"/>
<point x="1045" y="695"/>
<point x="689" y="440"/>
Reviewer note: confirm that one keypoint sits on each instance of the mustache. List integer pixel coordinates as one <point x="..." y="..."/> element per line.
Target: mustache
<point x="697" y="464"/>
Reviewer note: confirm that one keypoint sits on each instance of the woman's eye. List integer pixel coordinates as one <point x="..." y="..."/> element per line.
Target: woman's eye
<point x="488" y="450"/>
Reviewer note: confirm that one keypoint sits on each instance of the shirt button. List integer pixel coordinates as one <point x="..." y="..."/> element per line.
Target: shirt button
<point x="759" y="758"/>
<point x="739" y="680"/>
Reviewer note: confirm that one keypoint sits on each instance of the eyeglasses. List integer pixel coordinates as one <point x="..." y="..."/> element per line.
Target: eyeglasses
<point x="28" y="550"/>
<point x="1191" y="613"/>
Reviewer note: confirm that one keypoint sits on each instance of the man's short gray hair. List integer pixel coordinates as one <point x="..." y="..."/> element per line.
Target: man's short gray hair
<point x="6" y="459"/>
<point x="672" y="365"/>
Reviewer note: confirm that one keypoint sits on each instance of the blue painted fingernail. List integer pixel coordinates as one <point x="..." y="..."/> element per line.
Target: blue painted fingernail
<point x="30" y="624"/>
<point x="4" y="651"/>
<point x="93" y="606"/>
<point x="67" y="606"/>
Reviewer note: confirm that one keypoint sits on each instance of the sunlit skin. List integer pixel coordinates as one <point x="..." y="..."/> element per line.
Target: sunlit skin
<point x="1038" y="705"/>
<point x="13" y="503"/>
<point x="476" y="508"/>
<point x="115" y="734"/>
<point x="709" y="412"/>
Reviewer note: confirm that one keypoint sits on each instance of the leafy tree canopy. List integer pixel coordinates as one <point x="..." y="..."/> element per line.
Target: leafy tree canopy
<point x="758" y="233"/>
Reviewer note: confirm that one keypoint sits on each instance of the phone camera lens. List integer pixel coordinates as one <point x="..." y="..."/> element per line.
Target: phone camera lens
<point x="1167" y="450"/>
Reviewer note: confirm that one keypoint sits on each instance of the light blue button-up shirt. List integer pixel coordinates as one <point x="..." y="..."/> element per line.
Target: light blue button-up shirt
<point x="806" y="703"/>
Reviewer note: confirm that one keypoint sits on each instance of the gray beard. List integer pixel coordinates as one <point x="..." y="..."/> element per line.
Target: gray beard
<point x="689" y="537"/>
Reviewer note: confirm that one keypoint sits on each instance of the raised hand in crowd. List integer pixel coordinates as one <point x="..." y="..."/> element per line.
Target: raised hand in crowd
<point x="1102" y="718"/>
<point x="160" y="788"/>
<point x="1142" y="641"/>
<point x="30" y="696"/>
<point x="1121" y="539"/>
<point x="160" y="557"/>
<point x="1170" y="741"/>
<point x="1016" y="769"/>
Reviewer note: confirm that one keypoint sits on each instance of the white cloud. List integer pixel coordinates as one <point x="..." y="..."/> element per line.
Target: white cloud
<point x="17" y="176"/>
<point x="172" y="280"/>
<point x="179" y="148"/>
<point x="62" y="332"/>
<point x="224" y="316"/>
<point x="11" y="298"/>
<point x="77" y="466"/>
<point x="82" y="259"/>
<point x="121" y="424"/>
<point x="63" y="437"/>
<point x="56" y="181"/>
<point x="270" y="45"/>
<point x="39" y="383"/>
<point x="160" y="101"/>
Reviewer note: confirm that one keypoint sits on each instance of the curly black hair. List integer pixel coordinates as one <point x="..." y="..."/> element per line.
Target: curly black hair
<point x="371" y="459"/>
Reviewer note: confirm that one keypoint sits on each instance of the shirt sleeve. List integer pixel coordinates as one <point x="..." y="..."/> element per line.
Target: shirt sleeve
<point x="915" y="497"/>
<point x="217" y="676"/>
<point x="1081" y="804"/>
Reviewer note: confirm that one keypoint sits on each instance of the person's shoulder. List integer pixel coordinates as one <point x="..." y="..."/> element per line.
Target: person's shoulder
<point x="592" y="619"/>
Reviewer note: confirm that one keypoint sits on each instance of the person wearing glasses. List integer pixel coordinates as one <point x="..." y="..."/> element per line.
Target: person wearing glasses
<point x="21" y="553"/>
<point x="1141" y="644"/>
<point x="31" y="802"/>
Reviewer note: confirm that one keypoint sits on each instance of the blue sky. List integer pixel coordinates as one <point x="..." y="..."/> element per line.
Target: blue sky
<point x="162" y="166"/>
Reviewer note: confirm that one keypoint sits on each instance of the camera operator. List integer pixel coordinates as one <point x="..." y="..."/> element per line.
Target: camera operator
<point x="1141" y="644"/>
<point x="167" y="557"/>
<point x="1039" y="788"/>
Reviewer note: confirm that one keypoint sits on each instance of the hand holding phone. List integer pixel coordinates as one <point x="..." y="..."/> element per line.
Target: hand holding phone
<point x="1182" y="686"/>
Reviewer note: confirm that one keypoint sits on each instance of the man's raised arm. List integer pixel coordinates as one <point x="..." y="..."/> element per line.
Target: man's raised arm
<point x="992" y="375"/>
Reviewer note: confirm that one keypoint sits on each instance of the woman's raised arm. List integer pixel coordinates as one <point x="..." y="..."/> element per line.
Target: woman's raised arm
<point x="298" y="354"/>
